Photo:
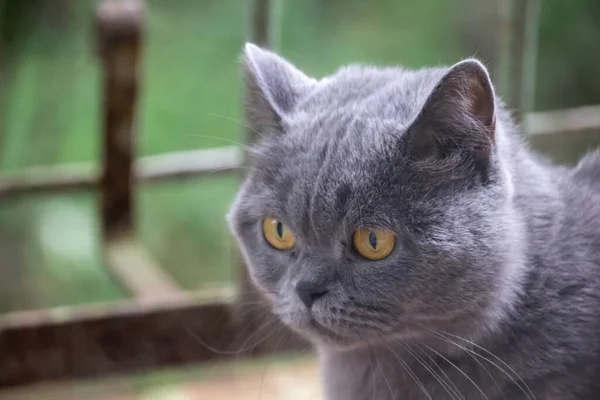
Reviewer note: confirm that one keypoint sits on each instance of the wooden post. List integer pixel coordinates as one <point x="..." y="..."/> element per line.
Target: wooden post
<point x="504" y="34"/>
<point x="251" y="306"/>
<point x="3" y="69"/>
<point x="119" y="36"/>
<point x="120" y="28"/>
<point x="518" y="42"/>
<point x="261" y="32"/>
<point x="530" y="55"/>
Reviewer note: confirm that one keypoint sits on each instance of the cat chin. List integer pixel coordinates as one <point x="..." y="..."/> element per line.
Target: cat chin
<point x="327" y="340"/>
<point x="332" y="342"/>
<point x="339" y="346"/>
<point x="319" y="335"/>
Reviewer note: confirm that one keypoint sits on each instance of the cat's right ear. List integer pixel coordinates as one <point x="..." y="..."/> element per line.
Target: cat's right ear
<point x="459" y="116"/>
<point x="273" y="88"/>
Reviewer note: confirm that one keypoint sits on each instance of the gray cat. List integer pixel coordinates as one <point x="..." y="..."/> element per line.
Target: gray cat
<point x="396" y="220"/>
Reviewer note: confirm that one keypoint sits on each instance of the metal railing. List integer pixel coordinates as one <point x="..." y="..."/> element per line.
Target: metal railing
<point x="161" y="324"/>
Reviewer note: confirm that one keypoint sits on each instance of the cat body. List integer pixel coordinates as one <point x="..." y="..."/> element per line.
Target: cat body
<point x="492" y="287"/>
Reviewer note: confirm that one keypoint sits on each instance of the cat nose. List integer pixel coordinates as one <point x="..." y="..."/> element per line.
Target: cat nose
<point x="309" y="292"/>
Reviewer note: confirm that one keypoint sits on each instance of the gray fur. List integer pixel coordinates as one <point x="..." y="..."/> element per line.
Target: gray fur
<point x="493" y="288"/>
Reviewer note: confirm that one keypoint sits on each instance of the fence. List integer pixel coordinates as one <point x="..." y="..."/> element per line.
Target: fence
<point x="161" y="324"/>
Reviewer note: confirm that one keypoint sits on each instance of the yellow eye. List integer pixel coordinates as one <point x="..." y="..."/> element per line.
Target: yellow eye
<point x="278" y="234"/>
<point x="374" y="244"/>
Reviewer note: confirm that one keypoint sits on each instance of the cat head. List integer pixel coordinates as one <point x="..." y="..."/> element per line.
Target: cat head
<point x="376" y="204"/>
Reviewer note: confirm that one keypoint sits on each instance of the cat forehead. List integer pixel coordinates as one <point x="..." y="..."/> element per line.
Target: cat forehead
<point x="346" y="128"/>
<point x="358" y="111"/>
<point x="389" y="93"/>
<point x="338" y="144"/>
<point x="352" y="120"/>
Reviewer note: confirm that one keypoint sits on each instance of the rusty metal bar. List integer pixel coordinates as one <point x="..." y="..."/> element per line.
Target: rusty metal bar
<point x="120" y="25"/>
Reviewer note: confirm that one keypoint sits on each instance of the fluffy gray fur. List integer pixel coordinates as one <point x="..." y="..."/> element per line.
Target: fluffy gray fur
<point x="492" y="291"/>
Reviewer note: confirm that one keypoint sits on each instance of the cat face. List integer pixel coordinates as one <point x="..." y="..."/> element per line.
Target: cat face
<point x="375" y="205"/>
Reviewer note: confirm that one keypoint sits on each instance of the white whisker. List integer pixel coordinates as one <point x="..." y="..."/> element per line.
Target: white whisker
<point x="458" y="369"/>
<point x="455" y="389"/>
<point x="373" y="376"/>
<point x="239" y="122"/>
<point x="430" y="370"/>
<point x="409" y="371"/>
<point x="528" y="393"/>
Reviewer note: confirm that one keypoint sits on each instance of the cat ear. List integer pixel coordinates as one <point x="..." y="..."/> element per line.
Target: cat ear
<point x="273" y="87"/>
<point x="459" y="115"/>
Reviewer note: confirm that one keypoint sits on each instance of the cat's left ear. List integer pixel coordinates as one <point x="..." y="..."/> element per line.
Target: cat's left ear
<point x="459" y="114"/>
<point x="273" y="87"/>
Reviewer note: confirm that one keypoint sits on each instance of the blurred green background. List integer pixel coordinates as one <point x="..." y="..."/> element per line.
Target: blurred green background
<point x="49" y="113"/>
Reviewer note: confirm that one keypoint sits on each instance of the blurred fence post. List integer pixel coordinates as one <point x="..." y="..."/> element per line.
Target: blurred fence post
<point x="504" y="34"/>
<point x="3" y="69"/>
<point x="518" y="42"/>
<point x="120" y="30"/>
<point x="530" y="55"/>
<point x="248" y="310"/>
<point x="250" y="305"/>
<point x="119" y="36"/>
<point x="262" y="29"/>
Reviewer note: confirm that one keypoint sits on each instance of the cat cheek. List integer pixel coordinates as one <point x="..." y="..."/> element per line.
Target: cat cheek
<point x="265" y="279"/>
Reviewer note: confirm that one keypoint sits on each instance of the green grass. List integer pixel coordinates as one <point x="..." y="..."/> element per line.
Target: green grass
<point x="190" y="99"/>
